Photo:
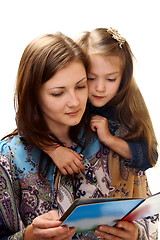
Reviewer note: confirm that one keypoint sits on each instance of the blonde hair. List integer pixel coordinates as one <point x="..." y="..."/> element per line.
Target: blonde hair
<point x="131" y="109"/>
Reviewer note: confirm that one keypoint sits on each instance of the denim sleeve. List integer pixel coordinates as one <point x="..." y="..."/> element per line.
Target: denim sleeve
<point x="139" y="151"/>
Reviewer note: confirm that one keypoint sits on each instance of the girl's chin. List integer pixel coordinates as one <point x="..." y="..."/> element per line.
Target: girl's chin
<point x="97" y="104"/>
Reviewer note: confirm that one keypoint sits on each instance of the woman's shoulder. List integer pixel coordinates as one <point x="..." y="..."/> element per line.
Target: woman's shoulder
<point x="10" y="142"/>
<point x="15" y="148"/>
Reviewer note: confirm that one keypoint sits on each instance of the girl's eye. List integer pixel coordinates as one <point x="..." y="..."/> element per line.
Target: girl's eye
<point x="91" y="78"/>
<point x="111" y="79"/>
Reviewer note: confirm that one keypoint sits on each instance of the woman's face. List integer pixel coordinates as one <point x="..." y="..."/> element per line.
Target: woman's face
<point x="104" y="78"/>
<point x="63" y="97"/>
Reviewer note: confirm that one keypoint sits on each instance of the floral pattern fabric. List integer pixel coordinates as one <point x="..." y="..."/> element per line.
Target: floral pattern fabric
<point x="23" y="195"/>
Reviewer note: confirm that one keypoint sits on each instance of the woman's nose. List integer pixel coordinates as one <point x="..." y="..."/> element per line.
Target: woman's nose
<point x="73" y="100"/>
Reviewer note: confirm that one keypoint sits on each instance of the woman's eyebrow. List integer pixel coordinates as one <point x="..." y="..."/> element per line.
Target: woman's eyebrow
<point x="62" y="87"/>
<point x="55" y="88"/>
<point x="81" y="80"/>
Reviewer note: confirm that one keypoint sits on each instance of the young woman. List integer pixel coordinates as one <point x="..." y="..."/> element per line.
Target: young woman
<point x="50" y="99"/>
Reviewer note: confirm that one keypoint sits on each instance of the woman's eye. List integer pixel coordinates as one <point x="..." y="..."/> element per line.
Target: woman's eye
<point x="81" y="87"/>
<point x="56" y="94"/>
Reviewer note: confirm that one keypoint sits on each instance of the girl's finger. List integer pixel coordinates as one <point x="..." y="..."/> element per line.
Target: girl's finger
<point x="79" y="164"/>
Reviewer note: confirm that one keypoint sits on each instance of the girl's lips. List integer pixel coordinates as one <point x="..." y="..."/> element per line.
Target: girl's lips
<point x="98" y="97"/>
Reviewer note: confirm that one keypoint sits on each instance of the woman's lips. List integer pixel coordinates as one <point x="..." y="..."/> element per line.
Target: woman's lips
<point x="73" y="113"/>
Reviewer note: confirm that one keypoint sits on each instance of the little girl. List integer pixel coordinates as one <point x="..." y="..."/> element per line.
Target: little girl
<point x="120" y="116"/>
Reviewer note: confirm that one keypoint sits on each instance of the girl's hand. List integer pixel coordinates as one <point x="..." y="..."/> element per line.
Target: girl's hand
<point x="48" y="227"/>
<point x="67" y="160"/>
<point x="118" y="145"/>
<point x="123" y="230"/>
<point x="100" y="125"/>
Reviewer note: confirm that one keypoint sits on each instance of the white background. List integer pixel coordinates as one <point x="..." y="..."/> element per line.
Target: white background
<point x="138" y="21"/>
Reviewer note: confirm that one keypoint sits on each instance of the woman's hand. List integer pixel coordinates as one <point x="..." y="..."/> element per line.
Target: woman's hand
<point x="124" y="230"/>
<point x="67" y="160"/>
<point x="48" y="227"/>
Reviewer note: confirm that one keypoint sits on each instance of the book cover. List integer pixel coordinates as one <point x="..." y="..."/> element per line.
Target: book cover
<point x="87" y="214"/>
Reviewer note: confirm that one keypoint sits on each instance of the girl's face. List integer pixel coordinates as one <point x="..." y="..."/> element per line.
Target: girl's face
<point x="104" y="78"/>
<point x="63" y="97"/>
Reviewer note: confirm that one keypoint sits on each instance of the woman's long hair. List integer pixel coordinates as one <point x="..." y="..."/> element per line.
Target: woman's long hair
<point x="131" y="109"/>
<point x="41" y="59"/>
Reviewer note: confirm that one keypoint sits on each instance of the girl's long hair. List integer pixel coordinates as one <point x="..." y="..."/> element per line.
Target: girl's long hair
<point x="131" y="109"/>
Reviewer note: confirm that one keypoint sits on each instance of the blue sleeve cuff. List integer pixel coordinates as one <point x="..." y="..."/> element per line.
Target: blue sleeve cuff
<point x="139" y="152"/>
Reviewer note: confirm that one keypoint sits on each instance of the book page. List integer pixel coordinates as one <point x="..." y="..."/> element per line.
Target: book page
<point x="149" y="207"/>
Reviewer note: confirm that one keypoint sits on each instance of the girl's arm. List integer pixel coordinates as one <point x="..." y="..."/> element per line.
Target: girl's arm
<point x="67" y="160"/>
<point x="134" y="152"/>
<point x="118" y="145"/>
<point x="139" y="151"/>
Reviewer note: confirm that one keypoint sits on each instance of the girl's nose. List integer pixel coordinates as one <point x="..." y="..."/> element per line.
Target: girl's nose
<point x="100" y="86"/>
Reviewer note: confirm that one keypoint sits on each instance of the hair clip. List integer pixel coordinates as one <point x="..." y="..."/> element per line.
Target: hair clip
<point x="116" y="36"/>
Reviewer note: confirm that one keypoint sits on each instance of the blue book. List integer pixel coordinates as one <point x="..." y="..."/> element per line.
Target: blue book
<point x="87" y="214"/>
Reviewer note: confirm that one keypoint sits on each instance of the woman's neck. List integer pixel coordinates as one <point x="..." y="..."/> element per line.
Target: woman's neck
<point x="62" y="134"/>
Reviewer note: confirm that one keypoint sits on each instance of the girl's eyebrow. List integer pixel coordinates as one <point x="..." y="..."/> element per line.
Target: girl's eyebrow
<point x="62" y="87"/>
<point x="105" y="74"/>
